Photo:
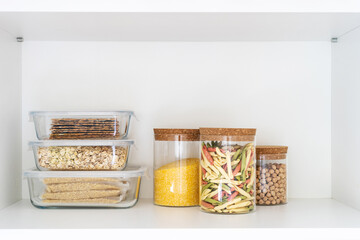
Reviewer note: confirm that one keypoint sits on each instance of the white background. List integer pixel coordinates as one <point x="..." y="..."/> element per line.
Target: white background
<point x="346" y="119"/>
<point x="281" y="88"/>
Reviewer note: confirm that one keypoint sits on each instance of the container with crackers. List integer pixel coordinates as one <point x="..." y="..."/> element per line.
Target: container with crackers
<point x="62" y="125"/>
<point x="84" y="189"/>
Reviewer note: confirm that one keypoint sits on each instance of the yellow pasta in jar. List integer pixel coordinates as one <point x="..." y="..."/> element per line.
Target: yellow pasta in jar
<point x="177" y="183"/>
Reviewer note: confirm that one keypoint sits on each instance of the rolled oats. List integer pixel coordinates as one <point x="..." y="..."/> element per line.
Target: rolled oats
<point x="82" y="157"/>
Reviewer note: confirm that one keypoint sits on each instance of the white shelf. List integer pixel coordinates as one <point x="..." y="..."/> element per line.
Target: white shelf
<point x="181" y="26"/>
<point x="298" y="213"/>
<point x="181" y="6"/>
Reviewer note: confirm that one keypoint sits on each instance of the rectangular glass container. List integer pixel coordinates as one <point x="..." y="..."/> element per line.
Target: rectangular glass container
<point x="76" y="155"/>
<point x="81" y="125"/>
<point x="84" y="189"/>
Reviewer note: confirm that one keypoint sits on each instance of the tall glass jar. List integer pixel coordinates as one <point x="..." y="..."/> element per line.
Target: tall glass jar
<point x="176" y="167"/>
<point x="271" y="181"/>
<point x="227" y="177"/>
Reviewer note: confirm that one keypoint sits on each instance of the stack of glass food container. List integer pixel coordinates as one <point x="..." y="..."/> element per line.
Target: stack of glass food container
<point x="81" y="159"/>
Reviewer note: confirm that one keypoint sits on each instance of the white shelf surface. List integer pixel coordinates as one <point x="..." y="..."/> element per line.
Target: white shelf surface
<point x="182" y="6"/>
<point x="298" y="213"/>
<point x="177" y="26"/>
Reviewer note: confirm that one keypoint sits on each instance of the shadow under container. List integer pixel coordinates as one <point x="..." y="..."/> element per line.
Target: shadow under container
<point x="271" y="180"/>
<point x="176" y="167"/>
<point x="84" y="189"/>
<point x="227" y="178"/>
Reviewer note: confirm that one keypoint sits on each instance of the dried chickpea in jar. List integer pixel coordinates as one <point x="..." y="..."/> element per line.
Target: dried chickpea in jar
<point x="271" y="175"/>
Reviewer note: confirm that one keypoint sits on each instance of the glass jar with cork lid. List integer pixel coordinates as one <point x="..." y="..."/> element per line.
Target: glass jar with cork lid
<point x="176" y="167"/>
<point x="227" y="177"/>
<point x="271" y="180"/>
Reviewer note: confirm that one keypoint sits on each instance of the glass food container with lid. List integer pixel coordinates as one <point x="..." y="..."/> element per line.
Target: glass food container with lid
<point x="271" y="181"/>
<point x="84" y="189"/>
<point x="81" y="155"/>
<point x="227" y="177"/>
<point x="176" y="167"/>
<point x="60" y="125"/>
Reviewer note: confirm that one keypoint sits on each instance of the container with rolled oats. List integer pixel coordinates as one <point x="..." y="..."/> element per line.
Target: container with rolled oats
<point x="271" y="175"/>
<point x="81" y="155"/>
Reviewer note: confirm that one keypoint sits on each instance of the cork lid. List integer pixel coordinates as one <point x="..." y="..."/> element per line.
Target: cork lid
<point x="266" y="152"/>
<point x="175" y="134"/>
<point x="224" y="134"/>
<point x="228" y="131"/>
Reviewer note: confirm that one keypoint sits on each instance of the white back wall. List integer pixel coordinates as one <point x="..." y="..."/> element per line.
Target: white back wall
<point x="10" y="121"/>
<point x="280" y="88"/>
<point x="346" y="119"/>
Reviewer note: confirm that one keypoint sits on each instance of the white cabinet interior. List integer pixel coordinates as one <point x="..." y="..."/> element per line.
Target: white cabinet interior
<point x="278" y="72"/>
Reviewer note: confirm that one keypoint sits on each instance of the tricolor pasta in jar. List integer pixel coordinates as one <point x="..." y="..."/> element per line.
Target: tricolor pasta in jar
<point x="227" y="170"/>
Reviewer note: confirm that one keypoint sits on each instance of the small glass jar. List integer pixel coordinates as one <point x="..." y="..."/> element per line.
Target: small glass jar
<point x="227" y="177"/>
<point x="271" y="180"/>
<point x="176" y="167"/>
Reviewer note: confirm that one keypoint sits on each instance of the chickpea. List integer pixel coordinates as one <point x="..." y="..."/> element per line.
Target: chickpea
<point x="257" y="197"/>
<point x="266" y="170"/>
<point x="263" y="171"/>
<point x="263" y="181"/>
<point x="278" y="201"/>
<point x="265" y="198"/>
<point x="270" y="183"/>
<point x="273" y="193"/>
<point x="268" y="194"/>
<point x="277" y="171"/>
<point x="273" y="167"/>
<point x="281" y="170"/>
<point x="267" y="202"/>
<point x="264" y="190"/>
<point x="262" y="195"/>
<point x="262" y="176"/>
<point x="271" y="171"/>
<point x="272" y="188"/>
<point x="276" y="185"/>
<point x="268" y="179"/>
<point x="267" y="174"/>
<point x="273" y="202"/>
<point x="274" y="175"/>
<point x="262" y="201"/>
